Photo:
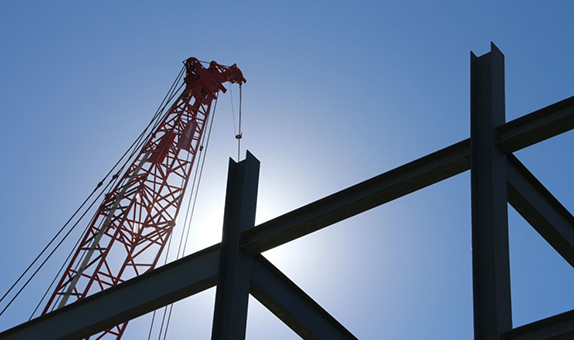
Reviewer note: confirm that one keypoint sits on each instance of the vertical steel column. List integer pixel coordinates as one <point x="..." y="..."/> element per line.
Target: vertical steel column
<point x="490" y="256"/>
<point x="234" y="278"/>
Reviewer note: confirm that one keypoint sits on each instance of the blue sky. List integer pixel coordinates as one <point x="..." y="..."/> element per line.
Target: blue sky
<point x="337" y="92"/>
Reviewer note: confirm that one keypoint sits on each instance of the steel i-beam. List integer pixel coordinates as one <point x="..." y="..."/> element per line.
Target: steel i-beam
<point x="490" y="255"/>
<point x="234" y="278"/>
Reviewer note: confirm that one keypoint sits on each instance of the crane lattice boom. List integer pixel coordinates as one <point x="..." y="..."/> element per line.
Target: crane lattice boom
<point x="134" y="222"/>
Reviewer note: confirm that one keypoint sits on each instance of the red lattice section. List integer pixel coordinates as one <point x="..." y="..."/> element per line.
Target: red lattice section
<point x="131" y="227"/>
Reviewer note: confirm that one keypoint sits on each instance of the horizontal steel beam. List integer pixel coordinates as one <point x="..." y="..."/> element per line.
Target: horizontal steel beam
<point x="128" y="300"/>
<point x="433" y="168"/>
<point x="354" y="200"/>
<point x="537" y="126"/>
<point x="558" y="327"/>
<point x="292" y="305"/>
<point x="541" y="209"/>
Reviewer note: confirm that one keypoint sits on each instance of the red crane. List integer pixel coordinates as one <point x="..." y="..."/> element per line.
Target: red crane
<point x="136" y="218"/>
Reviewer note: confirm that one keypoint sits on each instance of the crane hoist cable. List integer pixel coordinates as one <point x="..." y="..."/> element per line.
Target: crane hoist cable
<point x="232" y="111"/>
<point x="192" y="209"/>
<point x="133" y="147"/>
<point x="187" y="222"/>
<point x="160" y="113"/>
<point x="240" y="132"/>
<point x="140" y="141"/>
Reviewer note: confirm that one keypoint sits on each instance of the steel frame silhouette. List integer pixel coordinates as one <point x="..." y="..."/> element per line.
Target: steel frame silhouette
<point x="237" y="268"/>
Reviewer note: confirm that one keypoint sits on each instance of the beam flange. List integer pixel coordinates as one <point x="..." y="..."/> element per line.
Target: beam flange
<point x="558" y="327"/>
<point x="143" y="294"/>
<point x="541" y="209"/>
<point x="361" y="197"/>
<point x="292" y="305"/>
<point x="537" y="126"/>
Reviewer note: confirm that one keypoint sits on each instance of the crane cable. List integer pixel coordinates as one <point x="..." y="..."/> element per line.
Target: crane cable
<point x="187" y="222"/>
<point x="158" y="117"/>
<point x="192" y="211"/>
<point x="170" y="238"/>
<point x="98" y="186"/>
<point x="232" y="110"/>
<point x="237" y="132"/>
<point x="130" y="159"/>
<point x="240" y="134"/>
